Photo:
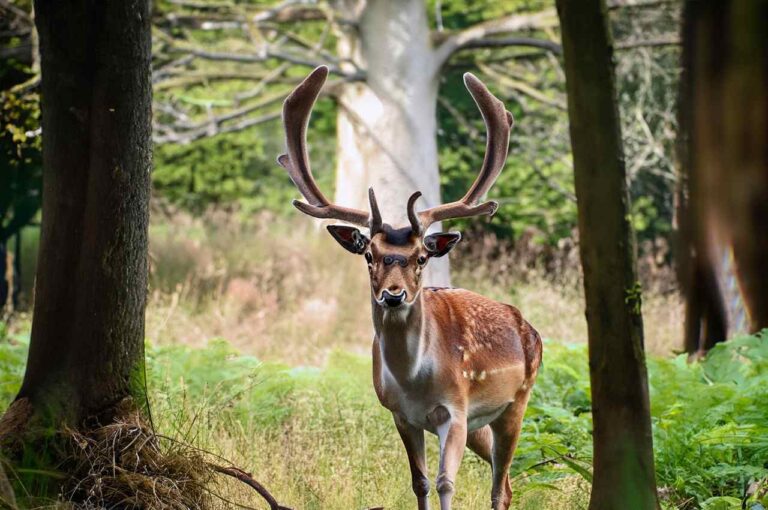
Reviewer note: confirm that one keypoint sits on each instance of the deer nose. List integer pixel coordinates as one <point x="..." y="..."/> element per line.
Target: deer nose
<point x="393" y="299"/>
<point x="395" y="259"/>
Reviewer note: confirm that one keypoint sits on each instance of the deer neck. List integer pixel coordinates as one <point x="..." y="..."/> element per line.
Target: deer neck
<point x="401" y="338"/>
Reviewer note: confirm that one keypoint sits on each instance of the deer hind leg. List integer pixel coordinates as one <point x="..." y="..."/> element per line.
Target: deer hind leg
<point x="506" y="432"/>
<point x="480" y="441"/>
<point x="413" y="439"/>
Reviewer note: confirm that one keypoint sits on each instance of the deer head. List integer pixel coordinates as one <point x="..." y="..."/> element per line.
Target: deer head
<point x="396" y="256"/>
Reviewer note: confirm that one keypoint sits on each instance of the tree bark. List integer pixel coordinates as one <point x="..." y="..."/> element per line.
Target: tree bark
<point x="725" y="82"/>
<point x="386" y="126"/>
<point x="623" y="448"/>
<point x="87" y="346"/>
<point x="5" y="282"/>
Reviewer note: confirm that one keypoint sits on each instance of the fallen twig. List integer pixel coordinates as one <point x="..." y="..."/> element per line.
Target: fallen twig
<point x="248" y="479"/>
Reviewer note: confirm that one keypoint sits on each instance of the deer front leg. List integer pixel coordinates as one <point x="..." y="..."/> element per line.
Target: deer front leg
<point x="413" y="439"/>
<point x="452" y="433"/>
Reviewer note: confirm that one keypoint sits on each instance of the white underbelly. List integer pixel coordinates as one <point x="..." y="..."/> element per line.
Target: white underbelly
<point x="481" y="415"/>
<point x="415" y="410"/>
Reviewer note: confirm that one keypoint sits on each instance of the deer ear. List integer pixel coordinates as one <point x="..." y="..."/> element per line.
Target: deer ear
<point x="439" y="244"/>
<point x="349" y="237"/>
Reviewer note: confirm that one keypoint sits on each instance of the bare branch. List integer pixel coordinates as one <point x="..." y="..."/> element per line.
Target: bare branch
<point x="513" y="23"/>
<point x="235" y="114"/>
<point x="271" y="77"/>
<point x="185" y="132"/>
<point x="522" y="87"/>
<point x="470" y="63"/>
<point x="165" y="134"/>
<point x="287" y="12"/>
<point x="499" y="42"/>
<point x="642" y="4"/>
<point x="263" y="56"/>
<point x="670" y="40"/>
<point x="194" y="77"/>
<point x="291" y="10"/>
<point x="248" y="479"/>
<point x="203" y="5"/>
<point x="19" y="13"/>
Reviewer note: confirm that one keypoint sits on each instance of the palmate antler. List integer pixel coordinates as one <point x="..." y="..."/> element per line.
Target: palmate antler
<point x="296" y="110"/>
<point x="498" y="124"/>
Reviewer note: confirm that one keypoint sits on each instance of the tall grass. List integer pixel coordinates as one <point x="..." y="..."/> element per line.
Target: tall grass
<point x="283" y="290"/>
<point x="279" y="290"/>
<point x="318" y="438"/>
<point x="259" y="351"/>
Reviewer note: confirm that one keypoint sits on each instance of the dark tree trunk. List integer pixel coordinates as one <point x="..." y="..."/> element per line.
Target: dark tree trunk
<point x="725" y="62"/>
<point x="623" y="448"/>
<point x="700" y="270"/>
<point x="87" y="347"/>
<point x="17" y="274"/>
<point x="5" y="285"/>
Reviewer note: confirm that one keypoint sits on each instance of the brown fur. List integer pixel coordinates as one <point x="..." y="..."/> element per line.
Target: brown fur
<point x="449" y="361"/>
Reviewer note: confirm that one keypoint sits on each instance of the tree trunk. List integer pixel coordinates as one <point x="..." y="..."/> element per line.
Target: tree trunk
<point x="623" y="448"/>
<point x="713" y="309"/>
<point x="726" y="78"/>
<point x="87" y="347"/>
<point x="387" y="132"/>
<point x="5" y="281"/>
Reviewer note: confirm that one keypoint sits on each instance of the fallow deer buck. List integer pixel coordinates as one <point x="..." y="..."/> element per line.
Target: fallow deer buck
<point x="444" y="360"/>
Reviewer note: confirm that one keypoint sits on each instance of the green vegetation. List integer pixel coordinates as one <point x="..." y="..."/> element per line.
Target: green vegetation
<point x="237" y="169"/>
<point x="257" y="324"/>
<point x="318" y="438"/>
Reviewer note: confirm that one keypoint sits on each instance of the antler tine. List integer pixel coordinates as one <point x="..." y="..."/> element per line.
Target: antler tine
<point x="498" y="123"/>
<point x="296" y="110"/>
<point x="375" y="224"/>
<point x="413" y="218"/>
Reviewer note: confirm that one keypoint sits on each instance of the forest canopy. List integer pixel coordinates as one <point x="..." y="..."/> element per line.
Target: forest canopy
<point x="225" y="163"/>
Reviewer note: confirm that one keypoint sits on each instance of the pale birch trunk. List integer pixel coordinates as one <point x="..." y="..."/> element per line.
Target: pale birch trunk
<point x="387" y="125"/>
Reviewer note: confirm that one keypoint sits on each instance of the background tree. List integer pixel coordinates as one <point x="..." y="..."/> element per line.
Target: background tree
<point x="387" y="64"/>
<point x="87" y="346"/>
<point x="224" y="112"/>
<point x="724" y="116"/>
<point x="222" y="68"/>
<point x="20" y="151"/>
<point x="623" y="447"/>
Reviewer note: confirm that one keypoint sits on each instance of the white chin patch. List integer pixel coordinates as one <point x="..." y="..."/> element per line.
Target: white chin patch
<point x="396" y="314"/>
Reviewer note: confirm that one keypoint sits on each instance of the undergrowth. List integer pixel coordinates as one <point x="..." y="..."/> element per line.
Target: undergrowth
<point x="318" y="438"/>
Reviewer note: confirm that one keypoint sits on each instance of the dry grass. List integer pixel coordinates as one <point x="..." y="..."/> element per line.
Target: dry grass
<point x="279" y="291"/>
<point x="124" y="465"/>
<point x="284" y="291"/>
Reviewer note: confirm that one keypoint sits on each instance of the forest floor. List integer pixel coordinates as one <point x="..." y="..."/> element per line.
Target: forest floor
<point x="259" y="351"/>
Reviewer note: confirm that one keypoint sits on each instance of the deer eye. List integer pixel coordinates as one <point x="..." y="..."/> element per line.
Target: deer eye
<point x="421" y="260"/>
<point x="368" y="257"/>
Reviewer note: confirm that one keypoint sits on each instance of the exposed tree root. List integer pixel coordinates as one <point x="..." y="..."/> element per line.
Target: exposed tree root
<point x="14" y="423"/>
<point x="248" y="479"/>
<point x="122" y="464"/>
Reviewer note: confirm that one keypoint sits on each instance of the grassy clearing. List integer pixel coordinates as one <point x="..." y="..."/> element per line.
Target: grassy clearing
<point x="318" y="438"/>
<point x="288" y="395"/>
<point x="283" y="291"/>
